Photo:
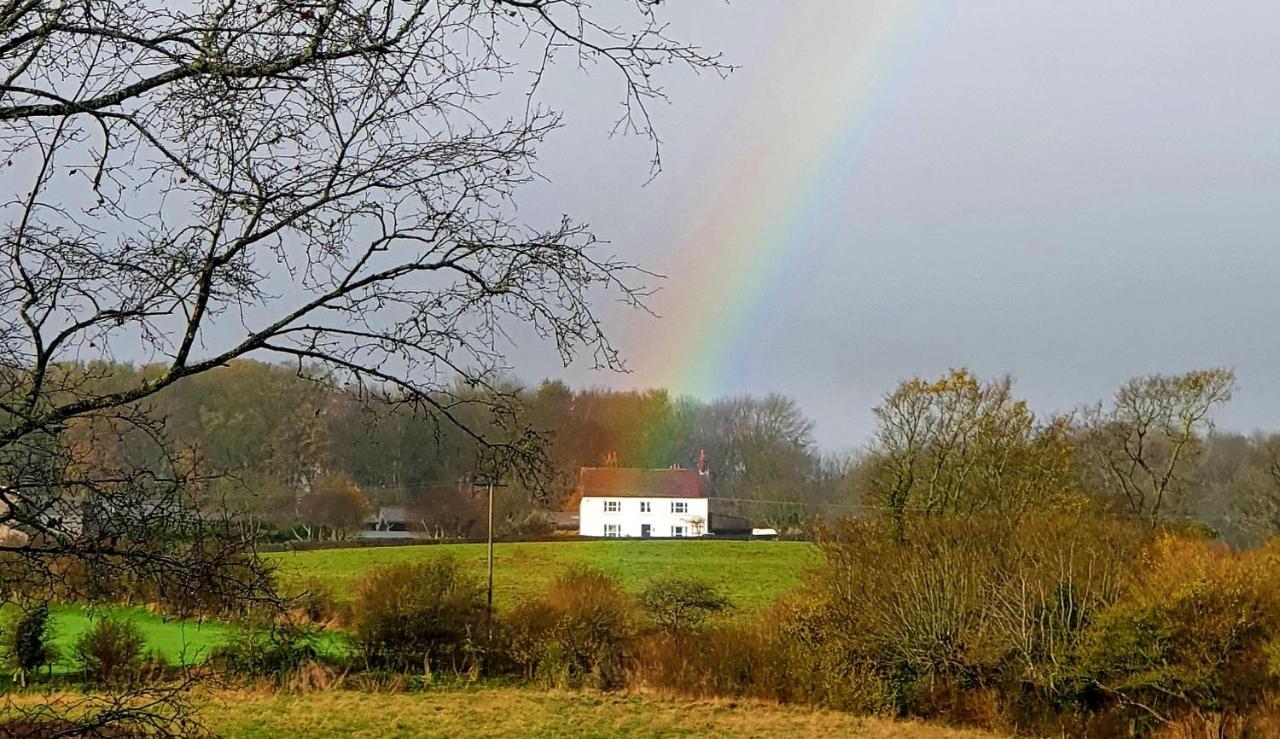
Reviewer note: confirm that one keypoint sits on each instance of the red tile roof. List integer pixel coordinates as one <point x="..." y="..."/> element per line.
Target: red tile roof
<point x="621" y="482"/>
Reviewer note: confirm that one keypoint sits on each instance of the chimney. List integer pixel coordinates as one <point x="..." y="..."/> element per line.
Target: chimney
<point x="702" y="463"/>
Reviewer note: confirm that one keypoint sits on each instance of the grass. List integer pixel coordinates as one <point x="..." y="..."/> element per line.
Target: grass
<point x="506" y="712"/>
<point x="525" y="712"/>
<point x="752" y="573"/>
<point x="178" y="641"/>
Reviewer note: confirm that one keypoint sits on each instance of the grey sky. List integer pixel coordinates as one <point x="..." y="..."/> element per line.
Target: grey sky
<point x="1073" y="193"/>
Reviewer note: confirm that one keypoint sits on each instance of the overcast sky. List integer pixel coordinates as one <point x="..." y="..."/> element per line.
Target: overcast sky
<point x="1071" y="192"/>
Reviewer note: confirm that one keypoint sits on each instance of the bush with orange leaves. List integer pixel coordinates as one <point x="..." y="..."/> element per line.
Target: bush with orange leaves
<point x="1198" y="631"/>
<point x="1074" y="624"/>
<point x="580" y="633"/>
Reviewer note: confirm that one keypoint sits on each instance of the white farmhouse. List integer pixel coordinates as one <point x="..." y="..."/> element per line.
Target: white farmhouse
<point x="639" y="503"/>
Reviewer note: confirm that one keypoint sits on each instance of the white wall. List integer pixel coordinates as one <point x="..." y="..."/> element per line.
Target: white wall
<point x="660" y="518"/>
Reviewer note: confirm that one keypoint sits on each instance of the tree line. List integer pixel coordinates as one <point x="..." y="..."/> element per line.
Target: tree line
<point x="292" y="453"/>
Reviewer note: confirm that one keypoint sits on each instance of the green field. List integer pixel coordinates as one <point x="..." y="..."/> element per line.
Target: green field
<point x="752" y="573"/>
<point x="177" y="641"/>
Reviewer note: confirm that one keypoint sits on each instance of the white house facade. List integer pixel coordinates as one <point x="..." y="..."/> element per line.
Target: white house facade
<point x="641" y="504"/>
<point x="643" y="518"/>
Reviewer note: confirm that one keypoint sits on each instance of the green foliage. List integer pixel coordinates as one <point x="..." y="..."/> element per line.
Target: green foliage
<point x="424" y="616"/>
<point x="112" y="652"/>
<point x="578" y="634"/>
<point x="681" y="603"/>
<point x="29" y="641"/>
<point x="275" y="653"/>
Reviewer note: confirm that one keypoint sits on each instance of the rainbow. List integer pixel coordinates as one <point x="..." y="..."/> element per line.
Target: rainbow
<point x="747" y="240"/>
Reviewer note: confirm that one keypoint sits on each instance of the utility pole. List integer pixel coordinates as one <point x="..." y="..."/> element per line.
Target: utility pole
<point x="489" y="610"/>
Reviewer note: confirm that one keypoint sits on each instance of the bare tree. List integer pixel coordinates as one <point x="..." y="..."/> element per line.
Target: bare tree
<point x="1146" y="443"/>
<point x="328" y="182"/>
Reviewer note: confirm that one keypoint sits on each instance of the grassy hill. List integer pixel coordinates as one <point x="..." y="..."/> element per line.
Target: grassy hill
<point x="752" y="573"/>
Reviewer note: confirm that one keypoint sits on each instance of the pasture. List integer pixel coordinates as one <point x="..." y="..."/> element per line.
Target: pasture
<point x="752" y="573"/>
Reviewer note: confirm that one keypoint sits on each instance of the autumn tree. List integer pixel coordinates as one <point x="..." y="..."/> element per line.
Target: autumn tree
<point x="958" y="445"/>
<point x="1144" y="445"/>
<point x="449" y="511"/>
<point x="334" y="504"/>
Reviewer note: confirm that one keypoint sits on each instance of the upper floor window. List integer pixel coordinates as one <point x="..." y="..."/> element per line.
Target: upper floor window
<point x="646" y="506"/>
<point x="612" y="506"/>
<point x="679" y="506"/>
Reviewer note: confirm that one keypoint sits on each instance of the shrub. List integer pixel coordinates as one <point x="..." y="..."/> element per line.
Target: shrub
<point x="29" y="641"/>
<point x="419" y="616"/>
<point x="112" y="652"/>
<point x="271" y="653"/>
<point x="682" y="604"/>
<point x="317" y="603"/>
<point x="728" y="659"/>
<point x="961" y="608"/>
<point x="1196" y="632"/>
<point x="578" y="634"/>
<point x="536" y="523"/>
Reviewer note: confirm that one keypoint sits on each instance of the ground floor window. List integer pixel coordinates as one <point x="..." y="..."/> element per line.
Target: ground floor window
<point x="613" y="529"/>
<point x="677" y="531"/>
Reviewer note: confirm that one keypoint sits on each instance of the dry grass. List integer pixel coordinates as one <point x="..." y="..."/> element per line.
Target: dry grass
<point x="502" y="712"/>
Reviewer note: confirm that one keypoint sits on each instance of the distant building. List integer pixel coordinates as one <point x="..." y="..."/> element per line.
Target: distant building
<point x="649" y="503"/>
<point x="391" y="522"/>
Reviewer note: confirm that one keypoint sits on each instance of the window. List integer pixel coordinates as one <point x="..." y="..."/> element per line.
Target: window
<point x="679" y="506"/>
<point x="613" y="530"/>
<point x="646" y="506"/>
<point x="612" y="506"/>
<point x="677" y="531"/>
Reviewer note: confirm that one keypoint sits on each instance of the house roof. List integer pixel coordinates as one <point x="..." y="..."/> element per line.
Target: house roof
<point x="620" y="482"/>
<point x="390" y="514"/>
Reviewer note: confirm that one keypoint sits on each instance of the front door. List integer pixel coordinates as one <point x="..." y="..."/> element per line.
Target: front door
<point x="644" y="530"/>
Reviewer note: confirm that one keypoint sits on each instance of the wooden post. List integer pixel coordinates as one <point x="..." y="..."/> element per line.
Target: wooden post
<point x="489" y="609"/>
